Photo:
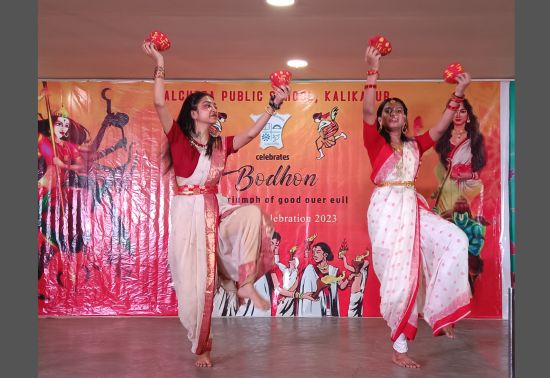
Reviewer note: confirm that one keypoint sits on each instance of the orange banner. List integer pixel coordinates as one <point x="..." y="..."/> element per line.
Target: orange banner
<point x="308" y="169"/>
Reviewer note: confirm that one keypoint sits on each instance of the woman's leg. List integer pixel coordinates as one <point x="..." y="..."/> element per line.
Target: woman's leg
<point x="444" y="249"/>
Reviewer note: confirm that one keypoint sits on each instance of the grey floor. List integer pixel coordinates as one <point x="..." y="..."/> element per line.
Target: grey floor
<point x="264" y="347"/>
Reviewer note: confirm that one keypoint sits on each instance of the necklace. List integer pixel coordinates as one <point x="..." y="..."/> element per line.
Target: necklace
<point x="399" y="167"/>
<point x="457" y="137"/>
<point x="397" y="147"/>
<point x="199" y="146"/>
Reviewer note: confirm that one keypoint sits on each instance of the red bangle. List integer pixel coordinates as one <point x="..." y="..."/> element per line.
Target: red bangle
<point x="370" y="86"/>
<point x="372" y="72"/>
<point x="453" y="108"/>
<point x="456" y="98"/>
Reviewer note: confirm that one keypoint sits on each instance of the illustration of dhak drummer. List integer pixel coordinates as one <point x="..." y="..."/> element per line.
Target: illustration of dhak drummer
<point x="328" y="131"/>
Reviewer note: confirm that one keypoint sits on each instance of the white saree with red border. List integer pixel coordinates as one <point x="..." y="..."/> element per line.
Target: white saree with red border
<point x="209" y="236"/>
<point x="408" y="240"/>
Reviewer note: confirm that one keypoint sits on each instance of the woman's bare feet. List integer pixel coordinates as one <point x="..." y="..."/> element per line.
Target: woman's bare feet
<point x="203" y="360"/>
<point x="403" y="360"/>
<point x="449" y="331"/>
<point x="249" y="291"/>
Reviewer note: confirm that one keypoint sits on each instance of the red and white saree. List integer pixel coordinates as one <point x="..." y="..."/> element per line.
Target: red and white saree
<point x="408" y="240"/>
<point x="208" y="236"/>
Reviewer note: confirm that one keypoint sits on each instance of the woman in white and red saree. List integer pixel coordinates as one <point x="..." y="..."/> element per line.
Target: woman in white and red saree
<point x="408" y="240"/>
<point x="208" y="236"/>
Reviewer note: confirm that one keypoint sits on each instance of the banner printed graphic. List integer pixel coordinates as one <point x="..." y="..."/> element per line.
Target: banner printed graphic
<point x="102" y="242"/>
<point x="272" y="133"/>
<point x="328" y="130"/>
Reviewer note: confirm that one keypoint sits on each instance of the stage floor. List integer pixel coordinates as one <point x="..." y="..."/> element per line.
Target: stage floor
<point x="264" y="347"/>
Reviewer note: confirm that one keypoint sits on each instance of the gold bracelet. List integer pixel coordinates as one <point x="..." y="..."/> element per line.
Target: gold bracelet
<point x="159" y="72"/>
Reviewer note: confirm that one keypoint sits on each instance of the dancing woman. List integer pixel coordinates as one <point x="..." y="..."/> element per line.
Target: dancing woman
<point x="209" y="235"/>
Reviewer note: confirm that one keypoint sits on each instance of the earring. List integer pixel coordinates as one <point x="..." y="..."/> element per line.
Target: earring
<point x="405" y="128"/>
<point x="468" y="121"/>
<point x="379" y="127"/>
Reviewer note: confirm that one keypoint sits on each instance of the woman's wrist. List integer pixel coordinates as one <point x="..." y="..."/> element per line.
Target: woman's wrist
<point x="159" y="72"/>
<point x="269" y="110"/>
<point x="457" y="98"/>
<point x="372" y="72"/>
<point x="274" y="105"/>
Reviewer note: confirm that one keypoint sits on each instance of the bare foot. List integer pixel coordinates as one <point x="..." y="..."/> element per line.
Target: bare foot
<point x="203" y="360"/>
<point x="403" y="360"/>
<point x="449" y="331"/>
<point x="249" y="291"/>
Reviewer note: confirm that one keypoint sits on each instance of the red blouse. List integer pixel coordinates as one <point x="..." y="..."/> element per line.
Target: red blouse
<point x="66" y="151"/>
<point x="379" y="150"/>
<point x="185" y="157"/>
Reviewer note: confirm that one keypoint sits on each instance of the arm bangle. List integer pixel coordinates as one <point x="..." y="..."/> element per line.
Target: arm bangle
<point x="372" y="72"/>
<point x="159" y="72"/>
<point x="272" y="103"/>
<point x="457" y="99"/>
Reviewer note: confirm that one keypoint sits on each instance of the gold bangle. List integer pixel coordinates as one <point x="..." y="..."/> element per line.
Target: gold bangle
<point x="159" y="72"/>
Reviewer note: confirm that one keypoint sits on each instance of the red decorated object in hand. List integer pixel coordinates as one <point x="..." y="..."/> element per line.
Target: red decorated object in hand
<point x="160" y="40"/>
<point x="280" y="78"/>
<point x="381" y="43"/>
<point x="451" y="72"/>
<point x="461" y="171"/>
